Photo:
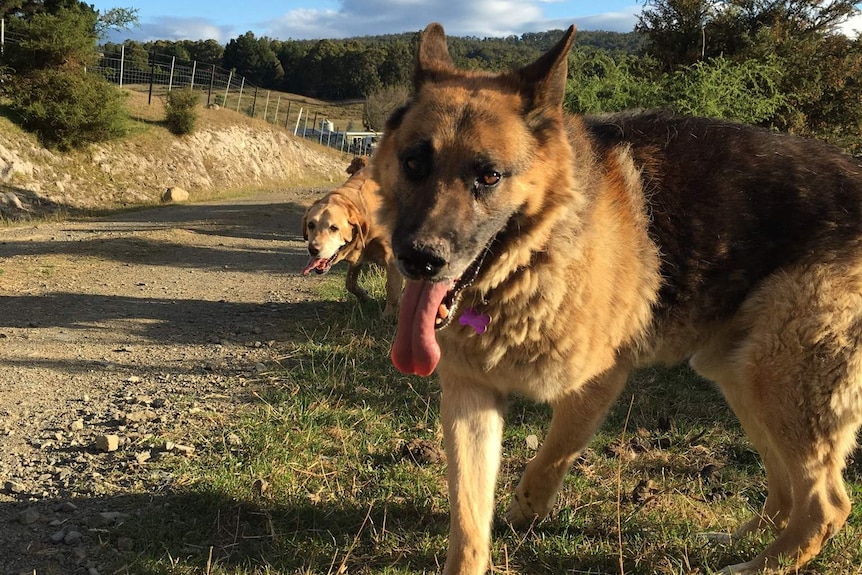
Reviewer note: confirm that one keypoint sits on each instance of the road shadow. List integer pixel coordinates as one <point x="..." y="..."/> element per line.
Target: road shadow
<point x="273" y="231"/>
<point x="141" y="533"/>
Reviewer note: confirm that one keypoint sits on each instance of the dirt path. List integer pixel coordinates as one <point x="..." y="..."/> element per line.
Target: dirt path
<point x="128" y="325"/>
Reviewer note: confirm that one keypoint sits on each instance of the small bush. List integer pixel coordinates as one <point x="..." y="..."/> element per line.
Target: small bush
<point x="381" y="103"/>
<point x="67" y="109"/>
<point x="182" y="115"/>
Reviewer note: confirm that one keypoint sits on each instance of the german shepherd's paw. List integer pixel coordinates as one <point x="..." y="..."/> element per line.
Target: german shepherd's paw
<point x="748" y="568"/>
<point x="524" y="512"/>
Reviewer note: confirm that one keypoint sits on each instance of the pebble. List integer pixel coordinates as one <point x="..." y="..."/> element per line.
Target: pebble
<point x="73" y="537"/>
<point x="140" y="416"/>
<point x="15" y="486"/>
<point x="532" y="442"/>
<point x="107" y="518"/>
<point x="28" y="516"/>
<point x="77" y="425"/>
<point x="58" y="537"/>
<point x="187" y="449"/>
<point x="125" y="544"/>
<point x="108" y="442"/>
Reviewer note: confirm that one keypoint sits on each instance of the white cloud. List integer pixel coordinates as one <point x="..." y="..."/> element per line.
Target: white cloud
<point x="171" y="28"/>
<point x="853" y="26"/>
<point x="482" y="18"/>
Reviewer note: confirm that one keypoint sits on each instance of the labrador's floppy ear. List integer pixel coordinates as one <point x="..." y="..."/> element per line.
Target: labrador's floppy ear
<point x="359" y="224"/>
<point x="432" y="57"/>
<point x="305" y="224"/>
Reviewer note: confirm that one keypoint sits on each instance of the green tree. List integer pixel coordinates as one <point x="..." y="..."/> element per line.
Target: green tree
<point x="821" y="95"/>
<point x="50" y="91"/>
<point x="206" y="51"/>
<point x="68" y="109"/>
<point x="65" y="39"/>
<point x="747" y="92"/>
<point x="253" y="58"/>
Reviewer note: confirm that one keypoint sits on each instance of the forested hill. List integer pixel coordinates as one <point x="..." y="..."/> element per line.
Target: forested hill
<point x="355" y="67"/>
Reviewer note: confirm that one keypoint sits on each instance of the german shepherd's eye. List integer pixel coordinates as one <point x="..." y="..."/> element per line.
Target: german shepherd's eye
<point x="333" y="229"/>
<point x="311" y="225"/>
<point x="486" y="181"/>
<point x="491" y="178"/>
<point x="416" y="161"/>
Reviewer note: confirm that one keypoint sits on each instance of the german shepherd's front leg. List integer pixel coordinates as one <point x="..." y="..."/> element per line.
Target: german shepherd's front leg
<point x="472" y="418"/>
<point x="576" y="418"/>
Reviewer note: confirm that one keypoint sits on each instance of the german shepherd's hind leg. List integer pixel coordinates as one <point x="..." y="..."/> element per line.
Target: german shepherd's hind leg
<point x="472" y="418"/>
<point x="576" y="418"/>
<point x="795" y="382"/>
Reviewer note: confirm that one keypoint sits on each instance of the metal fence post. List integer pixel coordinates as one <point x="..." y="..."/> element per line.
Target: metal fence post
<point x="275" y="116"/>
<point x="212" y="81"/>
<point x="152" y="77"/>
<point x="226" y="88"/>
<point x="238" y="100"/>
<point x="122" y="63"/>
<point x="254" y="102"/>
<point x="171" y="76"/>
<point x="266" y="106"/>
<point x="194" y="71"/>
<point x="287" y="117"/>
<point x="298" y="118"/>
<point x="2" y="34"/>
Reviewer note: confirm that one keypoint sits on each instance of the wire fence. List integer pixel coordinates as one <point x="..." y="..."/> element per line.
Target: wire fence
<point x="156" y="74"/>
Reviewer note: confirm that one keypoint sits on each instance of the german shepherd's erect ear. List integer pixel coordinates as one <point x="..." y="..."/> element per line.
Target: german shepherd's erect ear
<point x="543" y="83"/>
<point x="433" y="55"/>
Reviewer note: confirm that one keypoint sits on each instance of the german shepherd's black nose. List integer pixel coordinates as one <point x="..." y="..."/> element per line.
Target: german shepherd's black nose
<point x="420" y="263"/>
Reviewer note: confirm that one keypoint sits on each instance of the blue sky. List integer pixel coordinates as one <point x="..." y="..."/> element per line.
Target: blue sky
<point x="311" y="19"/>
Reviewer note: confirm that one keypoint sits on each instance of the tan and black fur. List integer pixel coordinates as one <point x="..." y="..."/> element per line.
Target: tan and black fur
<point x="591" y="247"/>
<point x="342" y="226"/>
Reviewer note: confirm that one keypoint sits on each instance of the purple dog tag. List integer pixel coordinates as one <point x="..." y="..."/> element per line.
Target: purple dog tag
<point x="478" y="321"/>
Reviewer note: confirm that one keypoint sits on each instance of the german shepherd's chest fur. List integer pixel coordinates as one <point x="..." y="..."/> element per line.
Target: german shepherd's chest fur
<point x="675" y="223"/>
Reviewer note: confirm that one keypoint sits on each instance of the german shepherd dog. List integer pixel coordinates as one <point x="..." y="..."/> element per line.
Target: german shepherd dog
<point x="549" y="255"/>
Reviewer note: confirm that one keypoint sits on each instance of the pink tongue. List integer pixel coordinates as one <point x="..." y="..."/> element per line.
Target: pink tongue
<point x="415" y="349"/>
<point x="312" y="264"/>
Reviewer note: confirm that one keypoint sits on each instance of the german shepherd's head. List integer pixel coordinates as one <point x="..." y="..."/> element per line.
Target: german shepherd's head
<point x="465" y="168"/>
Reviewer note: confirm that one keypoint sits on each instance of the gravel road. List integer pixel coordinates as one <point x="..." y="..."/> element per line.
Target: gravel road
<point x="118" y="331"/>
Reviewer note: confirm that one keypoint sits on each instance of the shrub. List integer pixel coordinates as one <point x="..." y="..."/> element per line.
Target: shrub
<point x="602" y="82"/>
<point x="67" y="109"/>
<point x="381" y="103"/>
<point x="181" y="115"/>
<point x="744" y="92"/>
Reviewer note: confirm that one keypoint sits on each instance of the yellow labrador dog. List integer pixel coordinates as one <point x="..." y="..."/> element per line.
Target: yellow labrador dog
<point x="341" y="226"/>
<point x="549" y="255"/>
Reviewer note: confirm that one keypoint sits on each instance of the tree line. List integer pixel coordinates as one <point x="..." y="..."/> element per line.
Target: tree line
<point x="782" y="64"/>
<point x="352" y="68"/>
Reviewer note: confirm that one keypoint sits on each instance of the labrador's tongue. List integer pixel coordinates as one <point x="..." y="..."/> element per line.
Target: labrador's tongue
<point x="314" y="264"/>
<point x="415" y="350"/>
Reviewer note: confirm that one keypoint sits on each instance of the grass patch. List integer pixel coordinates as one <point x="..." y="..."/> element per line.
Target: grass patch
<point x="319" y="481"/>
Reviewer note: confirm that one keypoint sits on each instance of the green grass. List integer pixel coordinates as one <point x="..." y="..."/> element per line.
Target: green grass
<point x="325" y="434"/>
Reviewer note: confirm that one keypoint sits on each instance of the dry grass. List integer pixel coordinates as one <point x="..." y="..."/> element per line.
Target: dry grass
<point x="321" y="483"/>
